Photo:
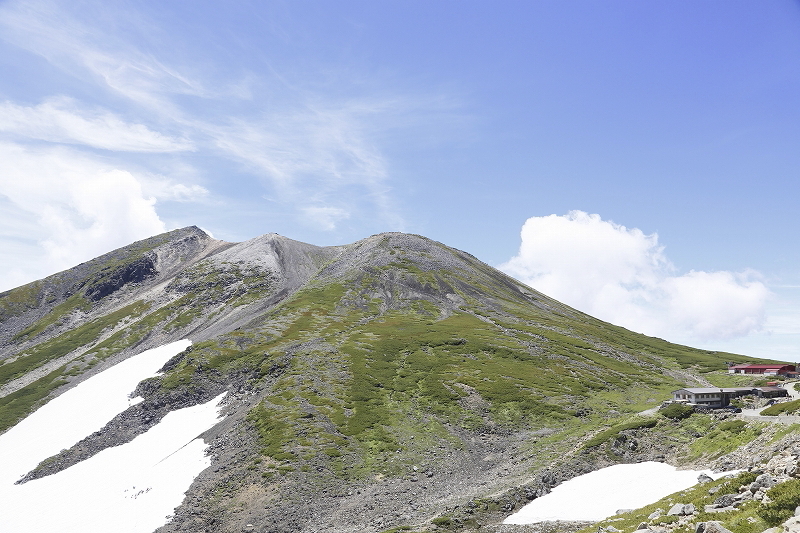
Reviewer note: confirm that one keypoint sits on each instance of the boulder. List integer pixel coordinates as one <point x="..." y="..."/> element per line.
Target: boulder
<point x="658" y="512"/>
<point x="714" y="509"/>
<point x="782" y="465"/>
<point x="676" y="510"/>
<point x="792" y="525"/>
<point x="715" y="527"/>
<point x="726" y="500"/>
<point x="680" y="509"/>
<point x="765" y="481"/>
<point x="703" y="478"/>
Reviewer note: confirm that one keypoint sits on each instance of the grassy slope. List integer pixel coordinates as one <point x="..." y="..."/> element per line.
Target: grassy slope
<point x="358" y="379"/>
<point x="132" y="323"/>
<point x="353" y="368"/>
<point x="42" y="350"/>
<point x="42" y="293"/>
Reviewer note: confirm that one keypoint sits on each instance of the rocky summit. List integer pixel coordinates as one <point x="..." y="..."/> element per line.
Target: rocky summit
<point x="392" y="384"/>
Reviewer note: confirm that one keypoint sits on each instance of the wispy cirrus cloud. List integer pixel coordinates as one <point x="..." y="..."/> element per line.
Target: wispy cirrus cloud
<point x="83" y="44"/>
<point x="310" y="150"/>
<point x="622" y="275"/>
<point x="167" y="190"/>
<point x="290" y="147"/>
<point x="325" y="217"/>
<point x="161" y="128"/>
<point x="314" y="155"/>
<point x="59" y="119"/>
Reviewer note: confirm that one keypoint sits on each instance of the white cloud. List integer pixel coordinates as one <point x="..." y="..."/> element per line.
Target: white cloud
<point x="716" y="304"/>
<point x="165" y="189"/>
<point x="310" y="149"/>
<point x="622" y="276"/>
<point x="319" y="154"/>
<point x="61" y="120"/>
<point x="780" y="336"/>
<point x="324" y="218"/>
<point x="72" y="208"/>
<point x="53" y="32"/>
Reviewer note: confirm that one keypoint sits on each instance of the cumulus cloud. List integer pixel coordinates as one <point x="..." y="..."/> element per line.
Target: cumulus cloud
<point x="622" y="275"/>
<point x="61" y="207"/>
<point x="61" y="120"/>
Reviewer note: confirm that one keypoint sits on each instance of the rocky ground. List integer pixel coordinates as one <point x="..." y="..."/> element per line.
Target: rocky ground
<point x="451" y="483"/>
<point x="468" y="478"/>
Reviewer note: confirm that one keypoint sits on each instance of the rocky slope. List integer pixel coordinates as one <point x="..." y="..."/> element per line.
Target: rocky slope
<point x="762" y="496"/>
<point x="386" y="383"/>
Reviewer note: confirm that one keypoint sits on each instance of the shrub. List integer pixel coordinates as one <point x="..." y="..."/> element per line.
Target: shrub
<point x="785" y="498"/>
<point x="732" y="485"/>
<point x="778" y="408"/>
<point x="666" y="519"/>
<point x="763" y="381"/>
<point x="613" y="431"/>
<point x="733" y="426"/>
<point x="442" y="521"/>
<point x="677" y="411"/>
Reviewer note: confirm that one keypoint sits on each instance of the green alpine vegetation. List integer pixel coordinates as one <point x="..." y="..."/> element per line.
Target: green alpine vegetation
<point x="391" y="362"/>
<point x="782" y="408"/>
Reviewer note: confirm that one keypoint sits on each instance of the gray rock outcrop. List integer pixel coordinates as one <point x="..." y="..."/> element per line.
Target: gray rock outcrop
<point x="715" y="527"/>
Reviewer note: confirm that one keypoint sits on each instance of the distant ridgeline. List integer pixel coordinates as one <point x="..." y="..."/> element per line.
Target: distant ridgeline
<point x="370" y="386"/>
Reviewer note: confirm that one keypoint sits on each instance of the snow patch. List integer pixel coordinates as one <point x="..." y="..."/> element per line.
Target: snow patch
<point x="126" y="489"/>
<point x="599" y="494"/>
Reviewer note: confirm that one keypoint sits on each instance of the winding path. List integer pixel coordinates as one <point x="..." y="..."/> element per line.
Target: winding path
<point x="752" y="414"/>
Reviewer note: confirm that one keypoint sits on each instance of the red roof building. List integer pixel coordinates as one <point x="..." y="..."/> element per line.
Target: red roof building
<point x="770" y="370"/>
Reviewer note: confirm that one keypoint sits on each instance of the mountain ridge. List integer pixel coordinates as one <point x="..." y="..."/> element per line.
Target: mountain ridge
<point x="347" y="367"/>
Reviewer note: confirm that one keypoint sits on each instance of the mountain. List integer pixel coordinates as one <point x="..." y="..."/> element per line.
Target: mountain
<point x="393" y="382"/>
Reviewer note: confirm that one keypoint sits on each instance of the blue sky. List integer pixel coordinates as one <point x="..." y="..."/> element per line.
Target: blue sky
<point x="663" y="136"/>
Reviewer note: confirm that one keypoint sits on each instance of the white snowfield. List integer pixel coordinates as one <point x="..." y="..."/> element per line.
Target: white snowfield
<point x="599" y="494"/>
<point x="125" y="489"/>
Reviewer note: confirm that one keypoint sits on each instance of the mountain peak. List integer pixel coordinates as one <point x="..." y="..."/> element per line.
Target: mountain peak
<point x="353" y="374"/>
